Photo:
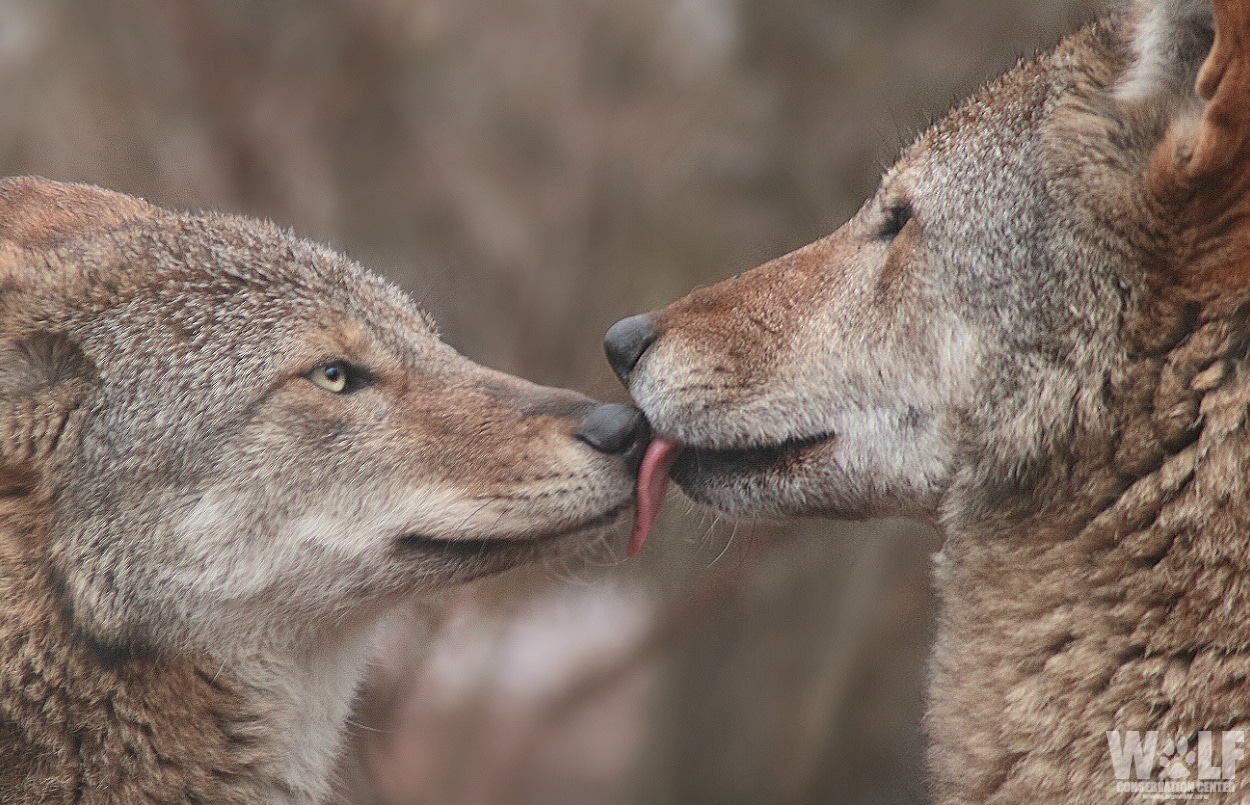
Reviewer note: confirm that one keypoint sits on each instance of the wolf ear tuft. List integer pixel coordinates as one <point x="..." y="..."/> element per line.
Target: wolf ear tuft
<point x="1170" y="41"/>
<point x="1222" y="142"/>
<point x="43" y="378"/>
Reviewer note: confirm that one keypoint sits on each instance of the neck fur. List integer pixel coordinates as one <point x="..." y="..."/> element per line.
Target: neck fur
<point x="261" y="724"/>
<point x="1116" y="602"/>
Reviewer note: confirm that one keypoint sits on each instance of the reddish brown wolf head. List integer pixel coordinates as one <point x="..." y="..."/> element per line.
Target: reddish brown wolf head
<point x="1034" y="335"/>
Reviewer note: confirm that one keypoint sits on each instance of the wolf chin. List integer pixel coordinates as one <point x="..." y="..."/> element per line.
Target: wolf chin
<point x="1035" y="336"/>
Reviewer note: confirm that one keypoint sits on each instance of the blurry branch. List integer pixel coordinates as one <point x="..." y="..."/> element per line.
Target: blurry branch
<point x="829" y="686"/>
<point x="674" y="620"/>
<point x="669" y="625"/>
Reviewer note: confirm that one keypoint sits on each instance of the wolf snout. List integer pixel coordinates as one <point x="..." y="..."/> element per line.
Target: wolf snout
<point x="626" y="341"/>
<point x="614" y="429"/>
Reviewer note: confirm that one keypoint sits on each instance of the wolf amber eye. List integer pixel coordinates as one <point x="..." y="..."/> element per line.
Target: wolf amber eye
<point x="332" y="377"/>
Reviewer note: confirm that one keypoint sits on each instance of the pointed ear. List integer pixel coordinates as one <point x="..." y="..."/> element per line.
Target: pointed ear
<point x="37" y="214"/>
<point x="43" y="379"/>
<point x="1222" y="141"/>
<point x="1200" y="171"/>
<point x="1170" y="38"/>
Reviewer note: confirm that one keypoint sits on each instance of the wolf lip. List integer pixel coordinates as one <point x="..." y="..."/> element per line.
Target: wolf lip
<point x="483" y="546"/>
<point x="696" y="461"/>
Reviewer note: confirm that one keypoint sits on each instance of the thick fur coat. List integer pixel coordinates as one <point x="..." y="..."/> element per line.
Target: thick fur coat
<point x="1035" y="335"/>
<point x="224" y="453"/>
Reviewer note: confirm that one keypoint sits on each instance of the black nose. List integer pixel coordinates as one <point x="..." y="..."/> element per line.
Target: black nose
<point x="613" y="428"/>
<point x="625" y="342"/>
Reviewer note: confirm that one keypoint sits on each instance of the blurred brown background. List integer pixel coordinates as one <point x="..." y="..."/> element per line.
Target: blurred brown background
<point x="532" y="170"/>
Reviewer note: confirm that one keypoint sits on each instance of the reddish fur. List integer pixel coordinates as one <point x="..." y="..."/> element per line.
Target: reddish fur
<point x="1096" y="570"/>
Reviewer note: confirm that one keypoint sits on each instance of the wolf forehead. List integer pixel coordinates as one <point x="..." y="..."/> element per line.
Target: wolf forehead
<point x="99" y="264"/>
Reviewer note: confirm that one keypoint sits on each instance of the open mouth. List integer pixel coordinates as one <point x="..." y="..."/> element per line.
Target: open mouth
<point x="690" y="465"/>
<point x="697" y="461"/>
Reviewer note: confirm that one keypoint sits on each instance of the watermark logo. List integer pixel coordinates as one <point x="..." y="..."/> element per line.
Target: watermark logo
<point x="1176" y="767"/>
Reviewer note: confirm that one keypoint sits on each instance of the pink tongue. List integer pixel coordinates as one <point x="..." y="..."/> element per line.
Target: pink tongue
<point x="652" y="484"/>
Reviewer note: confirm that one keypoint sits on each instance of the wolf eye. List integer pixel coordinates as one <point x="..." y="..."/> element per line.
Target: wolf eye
<point x="332" y="377"/>
<point x="896" y="217"/>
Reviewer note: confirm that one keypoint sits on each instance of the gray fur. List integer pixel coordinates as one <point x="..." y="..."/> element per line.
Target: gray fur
<point x="197" y="534"/>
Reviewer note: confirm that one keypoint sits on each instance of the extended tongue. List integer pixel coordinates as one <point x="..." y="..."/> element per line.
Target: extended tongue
<point x="652" y="484"/>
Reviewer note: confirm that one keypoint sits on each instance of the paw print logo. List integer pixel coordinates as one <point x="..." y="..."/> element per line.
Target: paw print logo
<point x="1176" y="759"/>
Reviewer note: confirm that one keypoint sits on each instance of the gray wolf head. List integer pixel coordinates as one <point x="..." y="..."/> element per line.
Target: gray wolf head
<point x="969" y="329"/>
<point x="212" y="432"/>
